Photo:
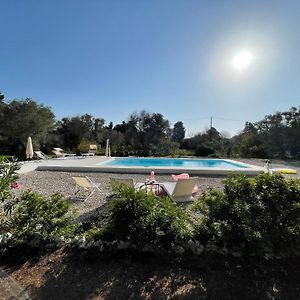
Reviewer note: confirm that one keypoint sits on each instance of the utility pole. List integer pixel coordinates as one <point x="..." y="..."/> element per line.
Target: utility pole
<point x="211" y="125"/>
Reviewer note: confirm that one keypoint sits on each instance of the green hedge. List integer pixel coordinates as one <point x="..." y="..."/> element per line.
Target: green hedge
<point x="251" y="216"/>
<point x="257" y="215"/>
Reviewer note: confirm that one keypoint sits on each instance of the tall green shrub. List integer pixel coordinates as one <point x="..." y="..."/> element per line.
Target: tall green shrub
<point x="38" y="220"/>
<point x="257" y="215"/>
<point x="146" y="220"/>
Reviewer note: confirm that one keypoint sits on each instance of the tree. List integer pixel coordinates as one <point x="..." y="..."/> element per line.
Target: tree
<point x="250" y="128"/>
<point x="276" y="135"/>
<point x="73" y="130"/>
<point x="210" y="142"/>
<point x="146" y="134"/>
<point x="178" y="132"/>
<point x="1" y="97"/>
<point x="22" y="118"/>
<point x="110" y="126"/>
<point x="153" y="130"/>
<point x="99" y="131"/>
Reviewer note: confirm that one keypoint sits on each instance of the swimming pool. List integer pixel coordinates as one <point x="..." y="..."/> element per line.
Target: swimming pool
<point x="177" y="165"/>
<point x="173" y="162"/>
<point x="137" y="165"/>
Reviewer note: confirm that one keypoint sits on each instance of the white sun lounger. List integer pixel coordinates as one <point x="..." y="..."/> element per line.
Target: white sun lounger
<point x="41" y="155"/>
<point x="180" y="191"/>
<point x="60" y="153"/>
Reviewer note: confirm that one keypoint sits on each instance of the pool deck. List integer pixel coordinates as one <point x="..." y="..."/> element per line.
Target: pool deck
<point x="91" y="164"/>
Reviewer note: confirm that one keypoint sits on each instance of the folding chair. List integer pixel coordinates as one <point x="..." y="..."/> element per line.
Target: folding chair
<point x="128" y="182"/>
<point x="87" y="184"/>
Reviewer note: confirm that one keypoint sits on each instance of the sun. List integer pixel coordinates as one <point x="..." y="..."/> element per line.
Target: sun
<point x="242" y="60"/>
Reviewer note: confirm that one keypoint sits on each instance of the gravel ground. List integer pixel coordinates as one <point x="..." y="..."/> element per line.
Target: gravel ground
<point x="49" y="182"/>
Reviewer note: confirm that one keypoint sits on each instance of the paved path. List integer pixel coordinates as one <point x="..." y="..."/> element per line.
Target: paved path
<point x="78" y="161"/>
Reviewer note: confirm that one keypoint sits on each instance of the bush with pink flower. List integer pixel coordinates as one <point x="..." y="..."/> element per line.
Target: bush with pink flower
<point x="28" y="218"/>
<point x="15" y="185"/>
<point x="8" y="183"/>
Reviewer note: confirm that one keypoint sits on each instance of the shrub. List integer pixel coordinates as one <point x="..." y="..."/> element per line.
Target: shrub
<point x="122" y="150"/>
<point x="258" y="151"/>
<point x="182" y="153"/>
<point x="146" y="220"/>
<point x="281" y="200"/>
<point x="100" y="151"/>
<point x="84" y="146"/>
<point x="38" y="220"/>
<point x="204" y="150"/>
<point x="257" y="215"/>
<point x="8" y="177"/>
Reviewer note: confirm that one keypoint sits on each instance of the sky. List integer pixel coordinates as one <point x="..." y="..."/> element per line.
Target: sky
<point x="175" y="57"/>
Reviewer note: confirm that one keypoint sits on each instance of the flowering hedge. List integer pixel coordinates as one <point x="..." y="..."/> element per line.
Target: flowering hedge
<point x="252" y="216"/>
<point x="31" y="219"/>
<point x="8" y="178"/>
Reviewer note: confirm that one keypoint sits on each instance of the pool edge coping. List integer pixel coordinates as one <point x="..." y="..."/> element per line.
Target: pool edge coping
<point x="250" y="170"/>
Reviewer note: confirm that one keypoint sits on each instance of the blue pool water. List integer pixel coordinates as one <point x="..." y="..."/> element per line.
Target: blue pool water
<point x="172" y="162"/>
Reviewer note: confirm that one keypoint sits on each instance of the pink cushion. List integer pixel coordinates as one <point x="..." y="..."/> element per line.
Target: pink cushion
<point x="180" y="176"/>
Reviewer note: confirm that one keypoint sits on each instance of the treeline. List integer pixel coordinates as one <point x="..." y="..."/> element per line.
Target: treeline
<point x="143" y="134"/>
<point x="276" y="136"/>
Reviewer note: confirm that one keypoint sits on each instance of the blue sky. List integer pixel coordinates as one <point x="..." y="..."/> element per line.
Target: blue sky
<point x="111" y="58"/>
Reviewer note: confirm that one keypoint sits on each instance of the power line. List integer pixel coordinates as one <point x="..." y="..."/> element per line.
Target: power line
<point x="190" y="119"/>
<point x="209" y="118"/>
<point x="227" y="119"/>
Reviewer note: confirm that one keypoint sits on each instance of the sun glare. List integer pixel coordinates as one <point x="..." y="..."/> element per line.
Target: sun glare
<point x="242" y="60"/>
